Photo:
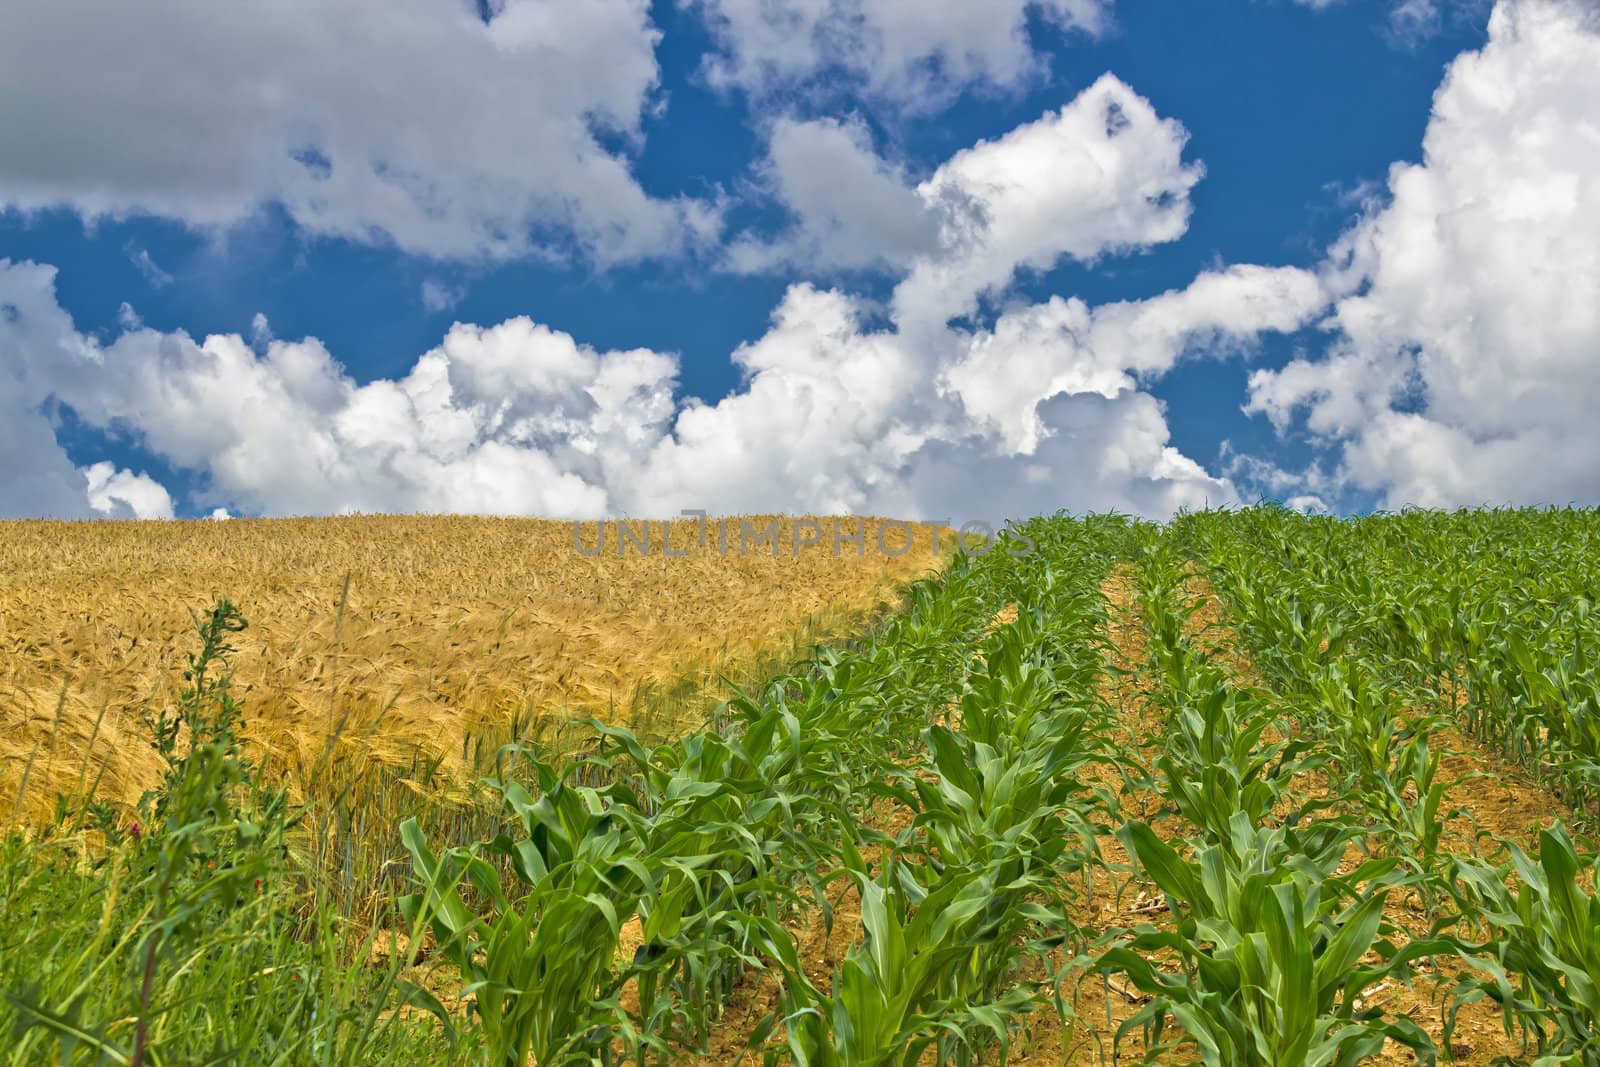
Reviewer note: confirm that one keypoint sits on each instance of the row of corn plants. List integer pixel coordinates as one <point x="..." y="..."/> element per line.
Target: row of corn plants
<point x="1377" y="754"/>
<point x="1382" y="651"/>
<point x="711" y="843"/>
<point x="1271" y="945"/>
<point x="1489" y="614"/>
<point x="1003" y="827"/>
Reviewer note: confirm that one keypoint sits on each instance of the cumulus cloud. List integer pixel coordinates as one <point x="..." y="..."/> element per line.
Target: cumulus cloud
<point x="884" y="418"/>
<point x="912" y="53"/>
<point x="37" y="477"/>
<point x="414" y="122"/>
<point x="1462" y="367"/>
<point x="521" y="419"/>
<point x="1064" y="346"/>
<point x="919" y="412"/>
<point x="850" y="209"/>
<point x="512" y="419"/>
<point x="121" y="494"/>
<point x="1102" y="454"/>
<point x="1101" y="175"/>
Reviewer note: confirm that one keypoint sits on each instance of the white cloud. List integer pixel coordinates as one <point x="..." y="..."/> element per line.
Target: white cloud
<point x="1103" y="174"/>
<point x="1414" y="18"/>
<point x="1407" y="24"/>
<point x="1262" y="479"/>
<point x="260" y="331"/>
<point x="1064" y="346"/>
<point x="1409" y="20"/>
<point x="842" y="407"/>
<point x="1103" y="454"/>
<point x="121" y="494"/>
<point x="411" y="121"/>
<point x="147" y="266"/>
<point x="829" y="418"/>
<point x="1309" y="504"/>
<point x="441" y="296"/>
<point x="1464" y="368"/>
<point x="867" y="417"/>
<point x="840" y="418"/>
<point x="512" y="419"/>
<point x="521" y="419"/>
<point x="913" y="53"/>
<point x="851" y="209"/>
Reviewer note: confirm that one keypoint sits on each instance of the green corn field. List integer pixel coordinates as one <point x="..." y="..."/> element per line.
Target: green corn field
<point x="1243" y="789"/>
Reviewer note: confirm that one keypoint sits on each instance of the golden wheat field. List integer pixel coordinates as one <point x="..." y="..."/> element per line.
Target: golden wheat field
<point x="410" y="640"/>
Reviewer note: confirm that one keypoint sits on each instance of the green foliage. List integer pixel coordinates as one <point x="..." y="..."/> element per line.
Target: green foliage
<point x="186" y="940"/>
<point x="1543" y="964"/>
<point x="1269" y="943"/>
<point x="1485" y="618"/>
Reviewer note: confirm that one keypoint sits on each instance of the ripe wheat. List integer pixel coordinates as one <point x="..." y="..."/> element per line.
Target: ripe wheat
<point x="450" y="628"/>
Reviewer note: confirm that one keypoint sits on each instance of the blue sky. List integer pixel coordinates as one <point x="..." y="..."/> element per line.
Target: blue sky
<point x="1267" y="130"/>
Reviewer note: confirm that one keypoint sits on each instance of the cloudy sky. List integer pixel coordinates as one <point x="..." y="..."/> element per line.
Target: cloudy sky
<point x="931" y="258"/>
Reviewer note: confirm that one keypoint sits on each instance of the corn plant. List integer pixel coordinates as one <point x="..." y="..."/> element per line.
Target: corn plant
<point x="1218" y="763"/>
<point x="976" y="883"/>
<point x="1542" y="965"/>
<point x="896" y="995"/>
<point x="1268" y="944"/>
<point x="537" y="963"/>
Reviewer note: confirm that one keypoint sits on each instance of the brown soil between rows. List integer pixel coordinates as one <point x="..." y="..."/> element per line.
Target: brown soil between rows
<point x="1120" y="899"/>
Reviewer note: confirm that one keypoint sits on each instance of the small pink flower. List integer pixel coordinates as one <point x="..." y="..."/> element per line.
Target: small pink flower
<point x="133" y="829"/>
